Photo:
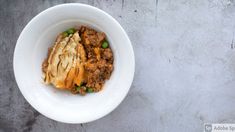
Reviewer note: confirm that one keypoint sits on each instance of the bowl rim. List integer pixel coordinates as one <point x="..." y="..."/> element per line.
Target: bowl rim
<point x="59" y="6"/>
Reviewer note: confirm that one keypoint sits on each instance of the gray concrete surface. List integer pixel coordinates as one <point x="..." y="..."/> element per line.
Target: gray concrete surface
<point x="185" y="66"/>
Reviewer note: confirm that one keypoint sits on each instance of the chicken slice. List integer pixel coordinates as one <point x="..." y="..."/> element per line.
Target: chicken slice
<point x="65" y="66"/>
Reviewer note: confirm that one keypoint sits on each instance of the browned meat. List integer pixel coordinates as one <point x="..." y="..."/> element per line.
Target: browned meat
<point x="107" y="55"/>
<point x="100" y="61"/>
<point x="91" y="39"/>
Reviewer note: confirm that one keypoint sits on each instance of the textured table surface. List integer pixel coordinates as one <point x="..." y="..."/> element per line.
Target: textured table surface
<point x="185" y="66"/>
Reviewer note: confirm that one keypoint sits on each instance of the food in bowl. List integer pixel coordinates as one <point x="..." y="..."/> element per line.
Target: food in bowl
<point x="80" y="61"/>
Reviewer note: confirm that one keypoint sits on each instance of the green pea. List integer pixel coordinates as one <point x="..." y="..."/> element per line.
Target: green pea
<point x="65" y="34"/>
<point x="105" y="45"/>
<point x="78" y="88"/>
<point x="89" y="90"/>
<point x="71" y="31"/>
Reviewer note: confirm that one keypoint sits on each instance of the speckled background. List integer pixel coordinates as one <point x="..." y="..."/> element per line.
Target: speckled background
<point x="185" y="66"/>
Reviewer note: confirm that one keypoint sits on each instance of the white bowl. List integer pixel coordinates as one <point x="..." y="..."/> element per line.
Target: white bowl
<point x="31" y="50"/>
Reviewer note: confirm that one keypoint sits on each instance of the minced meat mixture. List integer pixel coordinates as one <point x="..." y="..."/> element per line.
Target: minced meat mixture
<point x="80" y="61"/>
